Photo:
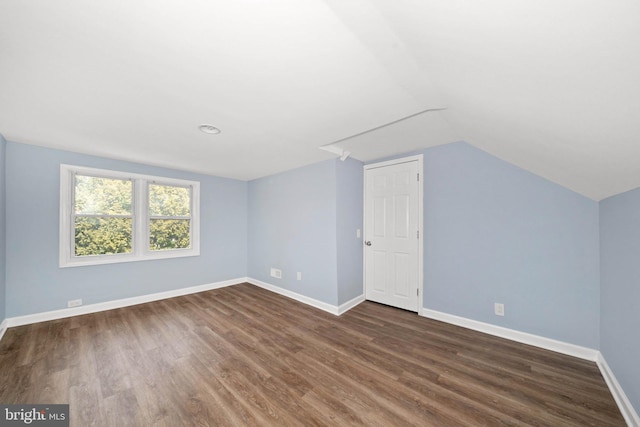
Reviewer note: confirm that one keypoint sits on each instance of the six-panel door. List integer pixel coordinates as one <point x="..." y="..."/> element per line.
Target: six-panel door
<point x="391" y="227"/>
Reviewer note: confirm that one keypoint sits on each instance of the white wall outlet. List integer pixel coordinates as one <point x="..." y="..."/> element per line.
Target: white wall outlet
<point x="299" y="275"/>
<point x="498" y="308"/>
<point x="74" y="303"/>
<point x="358" y="233"/>
<point x="276" y="273"/>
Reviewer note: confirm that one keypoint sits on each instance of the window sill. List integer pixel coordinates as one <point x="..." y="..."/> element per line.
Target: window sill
<point x="120" y="258"/>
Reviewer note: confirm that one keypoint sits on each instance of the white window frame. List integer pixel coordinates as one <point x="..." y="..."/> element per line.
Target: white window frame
<point x="140" y="212"/>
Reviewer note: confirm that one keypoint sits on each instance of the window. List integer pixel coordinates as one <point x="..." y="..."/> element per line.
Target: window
<point x="108" y="216"/>
<point x="102" y="215"/>
<point x="169" y="217"/>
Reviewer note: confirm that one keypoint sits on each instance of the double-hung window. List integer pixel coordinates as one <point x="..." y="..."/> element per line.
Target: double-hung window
<point x="109" y="216"/>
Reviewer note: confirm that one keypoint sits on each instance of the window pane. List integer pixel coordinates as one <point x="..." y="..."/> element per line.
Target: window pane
<point x="99" y="236"/>
<point x="167" y="200"/>
<point x="102" y="196"/>
<point x="169" y="234"/>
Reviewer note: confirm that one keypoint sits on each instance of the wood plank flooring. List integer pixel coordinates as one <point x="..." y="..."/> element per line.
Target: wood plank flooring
<point x="245" y="356"/>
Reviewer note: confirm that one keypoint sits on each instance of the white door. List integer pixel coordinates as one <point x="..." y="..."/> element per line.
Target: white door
<point x="392" y="198"/>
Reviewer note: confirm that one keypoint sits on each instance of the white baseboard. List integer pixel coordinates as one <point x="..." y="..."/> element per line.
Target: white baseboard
<point x="626" y="408"/>
<point x="126" y="302"/>
<point x="109" y="305"/>
<point x="511" y="334"/>
<point x="343" y="308"/>
<point x="293" y="295"/>
<point x="3" y="328"/>
<point x="333" y="309"/>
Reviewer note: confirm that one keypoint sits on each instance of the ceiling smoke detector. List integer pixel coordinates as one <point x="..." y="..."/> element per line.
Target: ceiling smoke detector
<point x="209" y="129"/>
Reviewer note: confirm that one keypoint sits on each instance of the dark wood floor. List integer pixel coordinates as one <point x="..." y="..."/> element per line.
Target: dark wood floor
<point x="244" y="356"/>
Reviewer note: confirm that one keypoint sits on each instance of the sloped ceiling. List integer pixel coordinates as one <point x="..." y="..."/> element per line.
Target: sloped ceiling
<point x="551" y="86"/>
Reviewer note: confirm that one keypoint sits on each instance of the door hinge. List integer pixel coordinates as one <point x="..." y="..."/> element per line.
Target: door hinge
<point x="418" y="176"/>
<point x="418" y="234"/>
<point x="418" y="292"/>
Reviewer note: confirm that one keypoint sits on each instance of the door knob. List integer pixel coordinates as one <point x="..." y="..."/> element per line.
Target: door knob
<point x="368" y="243"/>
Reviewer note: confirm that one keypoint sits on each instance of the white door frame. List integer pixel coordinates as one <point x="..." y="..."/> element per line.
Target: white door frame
<point x="419" y="159"/>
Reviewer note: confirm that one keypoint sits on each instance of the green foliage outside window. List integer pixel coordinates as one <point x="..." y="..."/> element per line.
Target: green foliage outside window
<point x="97" y="232"/>
<point x="104" y="216"/>
<point x="169" y="201"/>
<point x="169" y="234"/>
<point x="100" y="236"/>
<point x="103" y="196"/>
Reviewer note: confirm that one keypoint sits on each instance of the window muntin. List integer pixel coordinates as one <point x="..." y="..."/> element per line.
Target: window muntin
<point x="110" y="216"/>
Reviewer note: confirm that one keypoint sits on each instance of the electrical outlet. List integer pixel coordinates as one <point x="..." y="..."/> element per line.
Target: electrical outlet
<point x="498" y="308"/>
<point x="358" y="233"/>
<point x="74" y="303"/>
<point x="276" y="273"/>
<point x="299" y="275"/>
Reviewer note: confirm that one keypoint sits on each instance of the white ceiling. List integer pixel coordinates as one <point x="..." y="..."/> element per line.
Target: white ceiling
<point x="551" y="86"/>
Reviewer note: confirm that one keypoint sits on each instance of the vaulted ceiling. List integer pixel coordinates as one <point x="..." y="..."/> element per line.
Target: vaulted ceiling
<point x="551" y="86"/>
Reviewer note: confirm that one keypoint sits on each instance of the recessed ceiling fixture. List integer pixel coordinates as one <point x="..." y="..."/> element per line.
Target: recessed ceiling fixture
<point x="209" y="129"/>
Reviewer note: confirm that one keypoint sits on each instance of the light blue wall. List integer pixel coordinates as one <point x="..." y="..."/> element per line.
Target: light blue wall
<point x="349" y="182"/>
<point x="497" y="233"/>
<point x="36" y="284"/>
<point x="620" y="289"/>
<point x="292" y="227"/>
<point x="3" y="149"/>
<point x="564" y="266"/>
<point x="493" y="233"/>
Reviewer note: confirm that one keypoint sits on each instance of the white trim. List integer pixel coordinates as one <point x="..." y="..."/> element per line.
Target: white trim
<point x="625" y="406"/>
<point x="296" y="296"/>
<point x="343" y="308"/>
<point x="139" y="215"/>
<point x="513" y="335"/>
<point x="3" y="328"/>
<point x="416" y="158"/>
<point x="420" y="231"/>
<point x="364" y="236"/>
<point x="126" y="302"/>
<point x="109" y="305"/>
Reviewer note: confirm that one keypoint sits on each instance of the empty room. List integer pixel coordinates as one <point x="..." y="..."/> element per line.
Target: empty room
<point x="320" y="212"/>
